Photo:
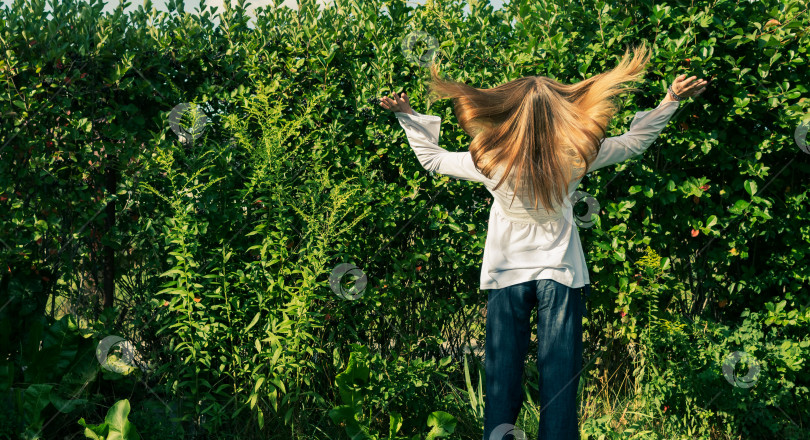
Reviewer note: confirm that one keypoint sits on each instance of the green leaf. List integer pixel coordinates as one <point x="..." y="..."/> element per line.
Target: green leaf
<point x="706" y="147"/>
<point x="252" y="400"/>
<point x="395" y="424"/>
<point x="35" y="399"/>
<point x="750" y="187"/>
<point x="273" y="396"/>
<point x="356" y="373"/>
<point x="442" y="423"/>
<point x="347" y="415"/>
<point x="95" y="432"/>
<point x="120" y="426"/>
<point x="444" y="361"/>
<point x="738" y="207"/>
<point x="254" y="321"/>
<point x="258" y="384"/>
<point x="172" y="271"/>
<point x="470" y="389"/>
<point x="66" y="405"/>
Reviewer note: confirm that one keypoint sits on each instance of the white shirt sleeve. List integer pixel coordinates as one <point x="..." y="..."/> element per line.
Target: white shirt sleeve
<point x="644" y="129"/>
<point x="423" y="136"/>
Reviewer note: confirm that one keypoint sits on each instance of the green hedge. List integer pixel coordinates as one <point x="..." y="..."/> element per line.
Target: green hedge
<point x="213" y="254"/>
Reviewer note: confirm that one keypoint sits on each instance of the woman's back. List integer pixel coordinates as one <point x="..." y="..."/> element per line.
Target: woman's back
<point x="523" y="242"/>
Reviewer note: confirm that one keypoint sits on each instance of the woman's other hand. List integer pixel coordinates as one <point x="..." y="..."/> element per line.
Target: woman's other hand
<point x="688" y="87"/>
<point x="397" y="103"/>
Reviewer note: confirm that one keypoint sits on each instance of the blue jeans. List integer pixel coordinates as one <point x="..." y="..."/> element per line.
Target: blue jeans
<point x="559" y="357"/>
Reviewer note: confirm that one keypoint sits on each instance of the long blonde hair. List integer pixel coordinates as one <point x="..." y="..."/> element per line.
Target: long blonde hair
<point x="538" y="126"/>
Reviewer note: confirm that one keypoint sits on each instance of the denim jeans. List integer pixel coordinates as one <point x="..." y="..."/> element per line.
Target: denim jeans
<point x="559" y="357"/>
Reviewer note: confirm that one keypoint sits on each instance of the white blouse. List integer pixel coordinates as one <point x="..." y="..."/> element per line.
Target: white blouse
<point x="525" y="243"/>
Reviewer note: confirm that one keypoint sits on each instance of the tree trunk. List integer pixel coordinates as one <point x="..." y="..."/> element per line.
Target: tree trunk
<point x="109" y="252"/>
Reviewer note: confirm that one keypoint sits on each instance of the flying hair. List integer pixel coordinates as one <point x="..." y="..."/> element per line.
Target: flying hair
<point x="538" y="129"/>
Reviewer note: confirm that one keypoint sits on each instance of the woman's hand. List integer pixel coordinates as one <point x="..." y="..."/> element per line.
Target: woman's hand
<point x="397" y="104"/>
<point x="687" y="87"/>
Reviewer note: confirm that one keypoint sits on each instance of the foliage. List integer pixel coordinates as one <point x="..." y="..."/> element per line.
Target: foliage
<point x="355" y="385"/>
<point x="57" y="363"/>
<point x="116" y="425"/>
<point x="212" y="254"/>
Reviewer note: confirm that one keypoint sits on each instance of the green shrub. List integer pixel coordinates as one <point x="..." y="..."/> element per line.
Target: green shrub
<point x="370" y="388"/>
<point x="212" y="251"/>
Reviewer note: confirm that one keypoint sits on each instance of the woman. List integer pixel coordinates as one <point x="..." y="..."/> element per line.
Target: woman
<point x="548" y="135"/>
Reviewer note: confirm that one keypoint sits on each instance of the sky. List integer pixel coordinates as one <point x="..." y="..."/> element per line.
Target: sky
<point x="191" y="5"/>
